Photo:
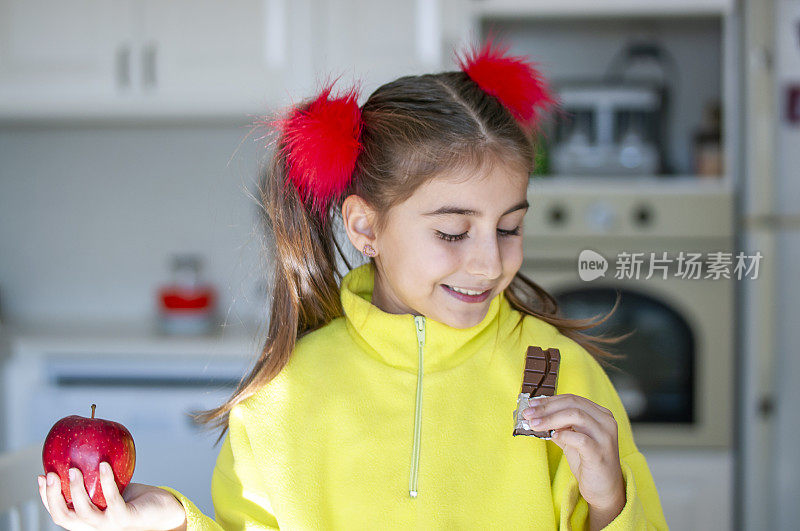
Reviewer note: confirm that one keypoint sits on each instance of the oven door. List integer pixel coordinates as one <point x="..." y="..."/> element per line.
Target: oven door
<point x="676" y="378"/>
<point x="656" y="379"/>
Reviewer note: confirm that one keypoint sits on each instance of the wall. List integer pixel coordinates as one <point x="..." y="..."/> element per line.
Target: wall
<point x="92" y="214"/>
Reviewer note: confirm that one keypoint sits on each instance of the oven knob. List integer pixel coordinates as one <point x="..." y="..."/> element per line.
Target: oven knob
<point x="557" y="215"/>
<point x="643" y="215"/>
<point x="600" y="216"/>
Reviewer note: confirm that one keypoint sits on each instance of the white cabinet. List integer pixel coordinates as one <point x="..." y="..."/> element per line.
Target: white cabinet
<point x="62" y="49"/>
<point x="205" y="49"/>
<point x="150" y="59"/>
<point x="146" y="58"/>
<point x="380" y="41"/>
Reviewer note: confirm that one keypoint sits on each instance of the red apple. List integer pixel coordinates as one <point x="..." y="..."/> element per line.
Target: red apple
<point x="84" y="443"/>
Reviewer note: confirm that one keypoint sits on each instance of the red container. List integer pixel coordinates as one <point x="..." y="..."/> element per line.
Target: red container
<point x="186" y="306"/>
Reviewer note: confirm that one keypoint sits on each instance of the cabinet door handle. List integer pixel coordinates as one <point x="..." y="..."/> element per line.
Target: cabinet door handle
<point x="149" y="65"/>
<point x="123" y="64"/>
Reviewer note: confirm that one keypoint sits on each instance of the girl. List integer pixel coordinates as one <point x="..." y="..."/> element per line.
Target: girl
<point x="385" y="399"/>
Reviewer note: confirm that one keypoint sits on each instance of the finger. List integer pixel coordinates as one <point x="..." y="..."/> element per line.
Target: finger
<point x="575" y="418"/>
<point x="549" y="406"/>
<point x="576" y="400"/>
<point x="588" y="449"/>
<point x="56" y="503"/>
<point x="115" y="504"/>
<point x="42" y="492"/>
<point x="84" y="508"/>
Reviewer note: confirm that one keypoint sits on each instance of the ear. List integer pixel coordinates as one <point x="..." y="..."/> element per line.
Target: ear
<point x="358" y="219"/>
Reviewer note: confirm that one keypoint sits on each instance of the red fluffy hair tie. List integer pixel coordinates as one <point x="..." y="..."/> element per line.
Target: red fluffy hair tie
<point x="511" y="79"/>
<point x="320" y="146"/>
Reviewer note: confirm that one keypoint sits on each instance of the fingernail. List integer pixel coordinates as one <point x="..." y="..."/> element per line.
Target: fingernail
<point x="40" y="480"/>
<point x="50" y="479"/>
<point x="72" y="474"/>
<point x="536" y="422"/>
<point x="528" y="412"/>
<point x="105" y="468"/>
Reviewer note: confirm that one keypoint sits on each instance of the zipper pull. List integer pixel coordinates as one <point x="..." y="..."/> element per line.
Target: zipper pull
<point x="419" y="320"/>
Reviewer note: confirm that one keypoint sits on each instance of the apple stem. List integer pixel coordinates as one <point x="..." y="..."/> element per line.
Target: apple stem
<point x="93" y="406"/>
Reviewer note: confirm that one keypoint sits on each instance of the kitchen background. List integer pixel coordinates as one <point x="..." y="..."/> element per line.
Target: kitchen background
<point x="134" y="272"/>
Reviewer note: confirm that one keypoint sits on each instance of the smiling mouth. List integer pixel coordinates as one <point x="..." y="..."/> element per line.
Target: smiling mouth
<point x="480" y="297"/>
<point x="474" y="293"/>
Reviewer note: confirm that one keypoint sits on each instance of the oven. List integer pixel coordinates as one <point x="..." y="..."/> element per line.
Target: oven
<point x="662" y="247"/>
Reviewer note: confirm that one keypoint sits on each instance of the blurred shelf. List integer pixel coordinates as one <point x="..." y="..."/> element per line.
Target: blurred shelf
<point x="644" y="184"/>
<point x="595" y="8"/>
<point x="125" y="339"/>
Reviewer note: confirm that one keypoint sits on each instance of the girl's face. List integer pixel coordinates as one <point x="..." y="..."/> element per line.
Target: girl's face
<point x="456" y="231"/>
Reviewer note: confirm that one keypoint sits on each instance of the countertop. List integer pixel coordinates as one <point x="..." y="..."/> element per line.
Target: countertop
<point x="126" y="338"/>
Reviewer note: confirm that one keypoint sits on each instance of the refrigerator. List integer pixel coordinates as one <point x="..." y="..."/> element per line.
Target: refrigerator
<point x="768" y="470"/>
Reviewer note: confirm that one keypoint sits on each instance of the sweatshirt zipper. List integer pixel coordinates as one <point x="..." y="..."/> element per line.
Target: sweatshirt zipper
<point x="419" y="325"/>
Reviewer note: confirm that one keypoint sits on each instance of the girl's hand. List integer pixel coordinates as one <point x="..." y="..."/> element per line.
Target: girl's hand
<point x="140" y="507"/>
<point x="587" y="434"/>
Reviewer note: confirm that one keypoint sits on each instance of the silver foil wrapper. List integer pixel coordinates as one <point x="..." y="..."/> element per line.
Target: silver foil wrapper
<point x="521" y="423"/>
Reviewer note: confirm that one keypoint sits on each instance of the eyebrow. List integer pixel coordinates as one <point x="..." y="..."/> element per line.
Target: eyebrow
<point x="468" y="212"/>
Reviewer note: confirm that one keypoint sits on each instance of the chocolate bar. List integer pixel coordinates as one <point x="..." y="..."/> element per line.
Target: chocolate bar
<point x="539" y="379"/>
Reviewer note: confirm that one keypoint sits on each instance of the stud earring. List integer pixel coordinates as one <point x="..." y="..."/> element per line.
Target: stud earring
<point x="369" y="251"/>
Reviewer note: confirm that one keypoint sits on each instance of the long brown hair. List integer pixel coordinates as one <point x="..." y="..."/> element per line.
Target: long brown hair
<point x="413" y="129"/>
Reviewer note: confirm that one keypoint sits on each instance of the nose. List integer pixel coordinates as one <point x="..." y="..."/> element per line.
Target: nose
<point x="485" y="258"/>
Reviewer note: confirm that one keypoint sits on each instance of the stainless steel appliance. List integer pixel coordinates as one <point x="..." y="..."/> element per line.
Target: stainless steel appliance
<point x="770" y="484"/>
<point x="618" y="124"/>
<point x="608" y="130"/>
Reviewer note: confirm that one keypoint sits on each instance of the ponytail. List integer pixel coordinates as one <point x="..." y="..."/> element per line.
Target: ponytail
<point x="305" y="280"/>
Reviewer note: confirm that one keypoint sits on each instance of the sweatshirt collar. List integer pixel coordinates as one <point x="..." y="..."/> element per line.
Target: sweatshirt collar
<point x="392" y="338"/>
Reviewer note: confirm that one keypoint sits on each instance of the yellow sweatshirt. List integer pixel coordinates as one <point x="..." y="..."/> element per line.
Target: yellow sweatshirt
<point x="352" y="435"/>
